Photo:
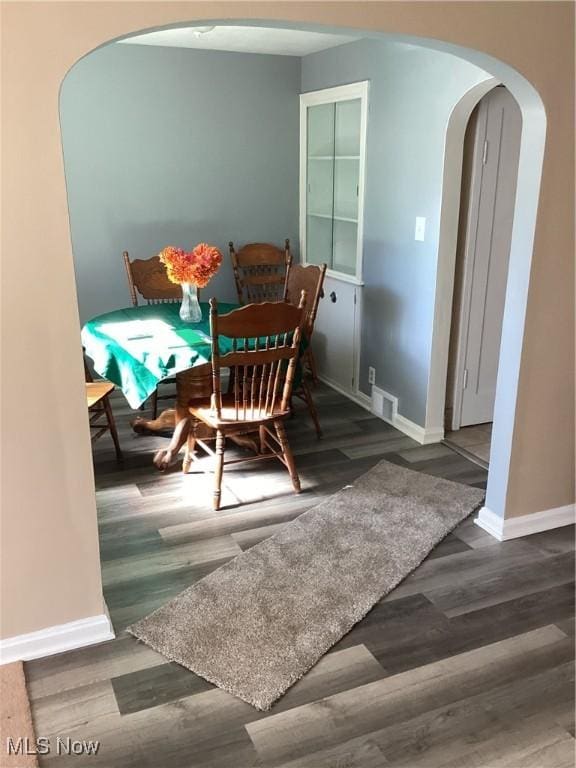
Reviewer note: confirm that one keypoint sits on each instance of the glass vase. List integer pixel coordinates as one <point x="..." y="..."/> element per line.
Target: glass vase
<point x="190" y="310"/>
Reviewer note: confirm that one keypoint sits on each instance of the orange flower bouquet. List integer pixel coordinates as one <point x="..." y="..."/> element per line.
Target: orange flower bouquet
<point x="192" y="270"/>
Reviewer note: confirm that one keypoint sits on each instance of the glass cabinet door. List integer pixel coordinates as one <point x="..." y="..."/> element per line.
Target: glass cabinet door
<point x="346" y="185"/>
<point x="320" y="177"/>
<point x="347" y="128"/>
<point x="333" y="160"/>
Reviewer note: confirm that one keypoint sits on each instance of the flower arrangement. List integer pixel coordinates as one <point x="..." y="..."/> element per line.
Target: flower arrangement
<point x="196" y="267"/>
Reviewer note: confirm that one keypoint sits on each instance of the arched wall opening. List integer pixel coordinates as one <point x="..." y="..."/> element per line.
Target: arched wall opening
<point x="528" y="188"/>
<point x="450" y="209"/>
<point x="55" y="514"/>
<point x="530" y="165"/>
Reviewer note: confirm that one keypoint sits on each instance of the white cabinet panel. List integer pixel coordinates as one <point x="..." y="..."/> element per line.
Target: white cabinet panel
<point x="335" y="332"/>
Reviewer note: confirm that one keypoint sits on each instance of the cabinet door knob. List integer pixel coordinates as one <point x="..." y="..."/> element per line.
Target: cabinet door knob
<point x="333" y="297"/>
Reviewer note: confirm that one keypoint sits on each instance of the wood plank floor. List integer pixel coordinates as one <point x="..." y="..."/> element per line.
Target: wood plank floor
<point x="467" y="664"/>
<point x="472" y="442"/>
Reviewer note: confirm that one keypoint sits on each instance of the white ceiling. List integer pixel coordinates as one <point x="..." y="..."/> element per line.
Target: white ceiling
<point x="281" y="42"/>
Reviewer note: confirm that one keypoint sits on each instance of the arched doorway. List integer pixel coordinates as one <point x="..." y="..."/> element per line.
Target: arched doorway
<point x="488" y="188"/>
<point x="63" y="480"/>
<point x="530" y="162"/>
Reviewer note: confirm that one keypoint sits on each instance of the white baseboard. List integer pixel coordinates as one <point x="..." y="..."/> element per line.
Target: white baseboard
<point x="357" y="397"/>
<point x="401" y="423"/>
<point x="62" y="637"/>
<point x="514" y="527"/>
<point x="416" y="432"/>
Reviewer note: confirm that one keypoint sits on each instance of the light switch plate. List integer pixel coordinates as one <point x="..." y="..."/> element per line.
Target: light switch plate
<point x="420" y="228"/>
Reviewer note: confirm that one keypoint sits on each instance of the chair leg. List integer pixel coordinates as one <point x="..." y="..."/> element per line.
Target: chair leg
<point x="287" y="454"/>
<point x="218" y="469"/>
<point x="312" y="363"/>
<point x="190" y="447"/>
<point x="262" y="434"/>
<point x="311" y="407"/>
<point x="112" y="428"/>
<point x="155" y="403"/>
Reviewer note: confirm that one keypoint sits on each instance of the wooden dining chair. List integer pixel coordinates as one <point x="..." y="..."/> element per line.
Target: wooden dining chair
<point x="148" y="278"/>
<point x="98" y="404"/>
<point x="260" y="271"/>
<point x="309" y="278"/>
<point x="265" y="346"/>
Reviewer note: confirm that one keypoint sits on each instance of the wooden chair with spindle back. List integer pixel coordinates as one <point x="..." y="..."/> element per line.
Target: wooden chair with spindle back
<point x="148" y="278"/>
<point x="309" y="278"/>
<point x="260" y="271"/>
<point x="265" y="346"/>
<point x="98" y="404"/>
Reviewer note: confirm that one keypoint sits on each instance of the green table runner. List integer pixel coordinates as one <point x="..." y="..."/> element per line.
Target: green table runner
<point x="137" y="347"/>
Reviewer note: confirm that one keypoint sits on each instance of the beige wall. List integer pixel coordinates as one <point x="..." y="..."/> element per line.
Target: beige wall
<point x="49" y="551"/>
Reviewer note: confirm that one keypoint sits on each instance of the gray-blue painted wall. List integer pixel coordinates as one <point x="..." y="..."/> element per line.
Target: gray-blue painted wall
<point x="412" y="93"/>
<point x="173" y="146"/>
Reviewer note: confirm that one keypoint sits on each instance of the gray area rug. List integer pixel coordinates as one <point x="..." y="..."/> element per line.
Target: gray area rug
<point x="257" y="624"/>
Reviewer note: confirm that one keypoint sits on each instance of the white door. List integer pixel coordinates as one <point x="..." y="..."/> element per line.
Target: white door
<point x="488" y="237"/>
<point x="334" y="334"/>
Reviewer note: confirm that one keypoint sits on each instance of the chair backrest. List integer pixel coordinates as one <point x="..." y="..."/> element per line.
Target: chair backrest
<point x="148" y="278"/>
<point x="260" y="271"/>
<point x="265" y="346"/>
<point x="309" y="278"/>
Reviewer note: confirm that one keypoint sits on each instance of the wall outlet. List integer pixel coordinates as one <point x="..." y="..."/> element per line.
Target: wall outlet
<point x="420" y="228"/>
<point x="371" y="375"/>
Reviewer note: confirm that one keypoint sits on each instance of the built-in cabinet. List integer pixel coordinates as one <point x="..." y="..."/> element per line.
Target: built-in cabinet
<point x="333" y="141"/>
<point x="332" y="168"/>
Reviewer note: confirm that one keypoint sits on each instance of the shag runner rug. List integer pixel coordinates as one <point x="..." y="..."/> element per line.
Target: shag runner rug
<point x="257" y="624"/>
<point x="15" y="718"/>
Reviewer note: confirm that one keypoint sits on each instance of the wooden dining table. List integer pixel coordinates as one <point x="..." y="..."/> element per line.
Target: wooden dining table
<point x="137" y="347"/>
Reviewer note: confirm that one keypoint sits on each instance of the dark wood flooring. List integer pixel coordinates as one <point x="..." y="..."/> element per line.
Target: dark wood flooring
<point x="467" y="664"/>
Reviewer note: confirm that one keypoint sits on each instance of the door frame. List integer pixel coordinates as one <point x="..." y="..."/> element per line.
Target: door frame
<point x="466" y="292"/>
<point x="447" y="248"/>
<point x="470" y="235"/>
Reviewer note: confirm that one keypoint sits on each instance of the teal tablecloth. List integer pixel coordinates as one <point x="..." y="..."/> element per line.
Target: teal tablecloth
<point x="139" y="346"/>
